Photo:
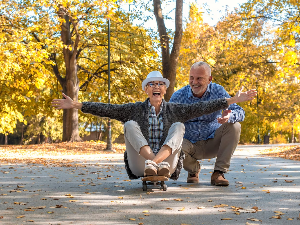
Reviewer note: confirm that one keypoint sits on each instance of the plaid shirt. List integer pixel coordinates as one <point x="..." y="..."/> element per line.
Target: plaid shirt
<point x="204" y="127"/>
<point x="155" y="128"/>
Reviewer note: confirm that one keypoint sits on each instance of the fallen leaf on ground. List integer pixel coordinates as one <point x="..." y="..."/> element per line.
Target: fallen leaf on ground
<point x="276" y="217"/>
<point x="279" y="212"/>
<point x="220" y="206"/>
<point x="252" y="223"/>
<point x="253" y="219"/>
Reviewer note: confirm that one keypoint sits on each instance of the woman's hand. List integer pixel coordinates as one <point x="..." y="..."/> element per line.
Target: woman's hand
<point x="242" y="96"/>
<point x="66" y="103"/>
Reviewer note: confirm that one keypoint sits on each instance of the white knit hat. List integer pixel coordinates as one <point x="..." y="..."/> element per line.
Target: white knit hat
<point x="155" y="76"/>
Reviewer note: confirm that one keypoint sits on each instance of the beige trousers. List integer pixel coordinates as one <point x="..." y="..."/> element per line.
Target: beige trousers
<point x="134" y="140"/>
<point x="222" y="146"/>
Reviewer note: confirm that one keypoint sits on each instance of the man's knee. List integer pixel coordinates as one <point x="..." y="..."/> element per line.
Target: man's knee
<point x="178" y="128"/>
<point x="130" y="126"/>
<point x="186" y="147"/>
<point x="234" y="128"/>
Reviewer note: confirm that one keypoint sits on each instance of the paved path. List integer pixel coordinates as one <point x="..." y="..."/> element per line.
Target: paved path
<point x="262" y="190"/>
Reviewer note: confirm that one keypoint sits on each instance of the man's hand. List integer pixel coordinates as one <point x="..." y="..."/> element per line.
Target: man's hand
<point x="225" y="116"/>
<point x="242" y="96"/>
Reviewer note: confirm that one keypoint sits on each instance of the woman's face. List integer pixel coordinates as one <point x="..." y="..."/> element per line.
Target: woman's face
<point x="156" y="90"/>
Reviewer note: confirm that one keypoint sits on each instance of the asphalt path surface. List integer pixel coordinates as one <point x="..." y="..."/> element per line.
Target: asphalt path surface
<point x="97" y="190"/>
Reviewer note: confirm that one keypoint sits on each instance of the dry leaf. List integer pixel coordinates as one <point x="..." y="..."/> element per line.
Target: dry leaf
<point x="145" y="211"/>
<point x="182" y="209"/>
<point x="20" y="217"/>
<point x="252" y="223"/>
<point x="131" y="219"/>
<point x="220" y="206"/>
<point x="289" y="181"/>
<point x="253" y="219"/>
<point x="276" y="217"/>
<point x="279" y="213"/>
<point x="226" y="219"/>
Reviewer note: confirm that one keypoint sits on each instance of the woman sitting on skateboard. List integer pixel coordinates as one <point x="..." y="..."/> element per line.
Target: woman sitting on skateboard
<point x="153" y="129"/>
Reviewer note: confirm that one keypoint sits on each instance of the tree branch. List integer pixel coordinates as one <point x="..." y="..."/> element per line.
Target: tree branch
<point x="164" y="38"/>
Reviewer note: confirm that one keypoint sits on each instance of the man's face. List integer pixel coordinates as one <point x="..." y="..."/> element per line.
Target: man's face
<point x="199" y="80"/>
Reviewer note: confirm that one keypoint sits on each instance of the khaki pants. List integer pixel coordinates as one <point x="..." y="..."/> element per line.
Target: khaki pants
<point x="134" y="140"/>
<point x="221" y="146"/>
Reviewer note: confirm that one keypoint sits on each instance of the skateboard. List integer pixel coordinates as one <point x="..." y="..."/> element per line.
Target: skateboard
<point x="155" y="181"/>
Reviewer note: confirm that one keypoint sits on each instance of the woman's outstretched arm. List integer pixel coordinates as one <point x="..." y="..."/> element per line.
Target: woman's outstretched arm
<point x="66" y="103"/>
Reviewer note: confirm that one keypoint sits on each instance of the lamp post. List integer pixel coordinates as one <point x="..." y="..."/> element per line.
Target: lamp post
<point x="109" y="145"/>
<point x="258" y="102"/>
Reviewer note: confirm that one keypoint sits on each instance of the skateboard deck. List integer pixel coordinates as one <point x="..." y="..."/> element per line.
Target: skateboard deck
<point x="155" y="182"/>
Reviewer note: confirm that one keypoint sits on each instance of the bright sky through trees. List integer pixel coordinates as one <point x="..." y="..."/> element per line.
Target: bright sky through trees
<point x="213" y="10"/>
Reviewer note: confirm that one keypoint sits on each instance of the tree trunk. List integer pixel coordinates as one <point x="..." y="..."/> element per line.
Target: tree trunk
<point x="5" y="140"/>
<point x="100" y="131"/>
<point x="22" y="135"/>
<point x="71" y="82"/>
<point x="293" y="135"/>
<point x="39" y="139"/>
<point x="169" y="61"/>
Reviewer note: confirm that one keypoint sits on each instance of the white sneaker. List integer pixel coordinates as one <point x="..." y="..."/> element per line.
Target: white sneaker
<point x="150" y="168"/>
<point x="163" y="169"/>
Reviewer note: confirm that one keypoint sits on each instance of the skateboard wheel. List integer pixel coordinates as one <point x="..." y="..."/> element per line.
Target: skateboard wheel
<point x="164" y="186"/>
<point x="144" y="187"/>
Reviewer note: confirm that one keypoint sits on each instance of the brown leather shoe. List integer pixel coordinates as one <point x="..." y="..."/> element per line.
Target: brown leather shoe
<point x="218" y="179"/>
<point x="193" y="178"/>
